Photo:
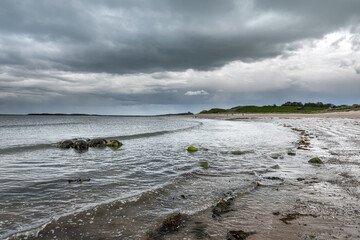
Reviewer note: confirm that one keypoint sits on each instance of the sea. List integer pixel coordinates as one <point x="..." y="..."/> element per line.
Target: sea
<point x="134" y="188"/>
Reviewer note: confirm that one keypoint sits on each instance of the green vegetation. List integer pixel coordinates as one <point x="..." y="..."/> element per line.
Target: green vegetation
<point x="114" y="144"/>
<point x="192" y="149"/>
<point x="288" y="107"/>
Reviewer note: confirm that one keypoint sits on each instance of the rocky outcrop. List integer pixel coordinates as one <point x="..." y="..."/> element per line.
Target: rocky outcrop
<point x="65" y="144"/>
<point x="81" y="145"/>
<point x="97" y="143"/>
<point x="114" y="143"/>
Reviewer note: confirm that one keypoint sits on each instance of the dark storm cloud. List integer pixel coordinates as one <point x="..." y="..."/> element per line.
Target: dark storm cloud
<point x="158" y="35"/>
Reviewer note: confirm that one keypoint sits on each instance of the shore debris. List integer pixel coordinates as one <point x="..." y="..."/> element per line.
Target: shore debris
<point x="223" y="205"/>
<point x="192" y="149"/>
<point x="291" y="216"/>
<point x="315" y="160"/>
<point x="79" y="180"/>
<point x="238" y="235"/>
<point x="274" y="178"/>
<point x="205" y="164"/>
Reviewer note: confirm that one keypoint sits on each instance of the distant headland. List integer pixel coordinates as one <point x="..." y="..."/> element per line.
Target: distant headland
<point x="288" y="107"/>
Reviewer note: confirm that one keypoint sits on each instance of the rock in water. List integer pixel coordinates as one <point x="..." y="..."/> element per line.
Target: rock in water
<point x="316" y="161"/>
<point x="205" y="164"/>
<point x="65" y="144"/>
<point x="81" y="145"/>
<point x="192" y="149"/>
<point x="97" y="143"/>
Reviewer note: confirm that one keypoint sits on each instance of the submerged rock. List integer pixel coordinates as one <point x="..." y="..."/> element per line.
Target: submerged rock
<point x="192" y="149"/>
<point x="81" y="145"/>
<point x="290" y="153"/>
<point x="97" y="143"/>
<point x="315" y="161"/>
<point x="238" y="152"/>
<point x="79" y="180"/>
<point x="205" y="164"/>
<point x="276" y="156"/>
<point x="65" y="144"/>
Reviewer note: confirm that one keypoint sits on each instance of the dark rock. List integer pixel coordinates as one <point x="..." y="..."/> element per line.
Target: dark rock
<point x="97" y="143"/>
<point x="237" y="235"/>
<point x="291" y="153"/>
<point x="81" y="145"/>
<point x="65" y="144"/>
<point x="277" y="213"/>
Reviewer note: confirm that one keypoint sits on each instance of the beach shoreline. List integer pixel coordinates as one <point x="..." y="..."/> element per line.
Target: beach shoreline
<point x="294" y="199"/>
<point x="350" y="114"/>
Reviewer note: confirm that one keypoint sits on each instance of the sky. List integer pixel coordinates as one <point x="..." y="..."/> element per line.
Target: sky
<point x="167" y="56"/>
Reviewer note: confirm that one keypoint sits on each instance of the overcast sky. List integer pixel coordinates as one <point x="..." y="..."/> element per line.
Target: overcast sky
<point x="168" y="56"/>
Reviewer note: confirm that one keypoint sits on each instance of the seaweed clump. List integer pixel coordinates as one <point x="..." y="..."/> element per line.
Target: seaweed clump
<point x="223" y="205"/>
<point x="238" y="235"/>
<point x="291" y="216"/>
<point x="171" y="224"/>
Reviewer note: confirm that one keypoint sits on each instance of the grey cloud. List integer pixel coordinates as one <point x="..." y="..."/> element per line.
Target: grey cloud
<point x="357" y="70"/>
<point x="159" y="35"/>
